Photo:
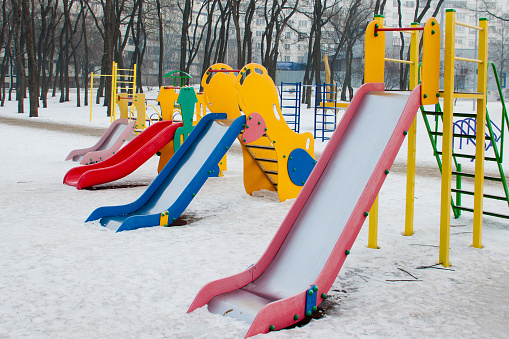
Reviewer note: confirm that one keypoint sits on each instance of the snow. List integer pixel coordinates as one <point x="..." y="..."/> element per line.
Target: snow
<point x="63" y="278"/>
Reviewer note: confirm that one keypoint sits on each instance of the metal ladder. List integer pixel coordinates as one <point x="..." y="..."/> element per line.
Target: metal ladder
<point x="290" y="96"/>
<point x="325" y="111"/>
<point x="434" y="133"/>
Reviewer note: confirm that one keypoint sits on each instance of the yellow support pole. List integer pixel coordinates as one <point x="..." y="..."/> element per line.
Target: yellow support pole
<point x="373" y="225"/>
<point x="412" y="132"/>
<point x="445" y="199"/>
<point x="482" y="70"/>
<point x="91" y="93"/>
<point x="374" y="66"/>
<point x="134" y="79"/>
<point x="113" y="90"/>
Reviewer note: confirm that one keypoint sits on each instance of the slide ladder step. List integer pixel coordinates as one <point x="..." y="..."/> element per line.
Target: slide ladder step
<point x="271" y="172"/>
<point x="261" y="147"/>
<point x="454" y="135"/>
<point x="469" y="156"/>
<point x="470" y="175"/>
<point x="489" y="196"/>
<point x="266" y="160"/>
<point x="468" y="209"/>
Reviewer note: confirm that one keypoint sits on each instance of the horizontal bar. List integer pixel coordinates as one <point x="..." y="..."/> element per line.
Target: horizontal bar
<point x="489" y="196"/>
<point x="468" y="59"/>
<point x="266" y="160"/>
<point x="456" y="135"/>
<point x="260" y="147"/>
<point x="400" y="61"/>
<point x="469" y="26"/>
<point x="271" y="172"/>
<point x="171" y="87"/>
<point x="124" y="82"/>
<point x="399" y="29"/>
<point x="470" y="175"/>
<point x="223" y="70"/>
<point x="469" y="156"/>
<point x="484" y="212"/>
<point x="468" y="95"/>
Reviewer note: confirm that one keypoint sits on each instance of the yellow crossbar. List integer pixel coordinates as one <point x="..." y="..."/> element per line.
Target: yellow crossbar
<point x="469" y="26"/>
<point x="468" y="59"/>
<point x="468" y="95"/>
<point x="399" y="61"/>
<point x="125" y="69"/>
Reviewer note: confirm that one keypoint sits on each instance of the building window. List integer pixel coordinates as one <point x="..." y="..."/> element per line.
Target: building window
<point x="303" y="23"/>
<point x="301" y="59"/>
<point x="409" y="4"/>
<point x="459" y="41"/>
<point x="287" y="58"/>
<point x="471" y="43"/>
<point x="288" y="35"/>
<point x="259" y="21"/>
<point x="259" y="33"/>
<point x="287" y="46"/>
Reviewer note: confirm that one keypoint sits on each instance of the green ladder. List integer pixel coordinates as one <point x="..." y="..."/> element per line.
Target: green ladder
<point x="434" y="133"/>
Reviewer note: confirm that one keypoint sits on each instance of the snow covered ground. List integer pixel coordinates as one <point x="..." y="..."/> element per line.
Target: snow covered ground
<point x="63" y="278"/>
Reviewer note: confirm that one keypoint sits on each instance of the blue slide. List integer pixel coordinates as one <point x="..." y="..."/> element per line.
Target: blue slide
<point x="182" y="177"/>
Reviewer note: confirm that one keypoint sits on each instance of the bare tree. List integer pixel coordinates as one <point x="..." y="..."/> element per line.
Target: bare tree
<point x="276" y="15"/>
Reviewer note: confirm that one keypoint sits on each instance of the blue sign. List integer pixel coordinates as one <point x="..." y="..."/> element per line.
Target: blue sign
<point x="503" y="78"/>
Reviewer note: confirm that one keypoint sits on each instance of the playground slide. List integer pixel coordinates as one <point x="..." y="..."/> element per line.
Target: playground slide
<point x="307" y="252"/>
<point x="126" y="160"/>
<point x="110" y="142"/>
<point x="182" y="177"/>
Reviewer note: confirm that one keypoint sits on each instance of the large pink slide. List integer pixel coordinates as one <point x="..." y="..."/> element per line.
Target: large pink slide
<point x="302" y="261"/>
<point x="126" y="160"/>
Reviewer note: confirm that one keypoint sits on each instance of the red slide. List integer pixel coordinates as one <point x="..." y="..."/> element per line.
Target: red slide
<point x="126" y="160"/>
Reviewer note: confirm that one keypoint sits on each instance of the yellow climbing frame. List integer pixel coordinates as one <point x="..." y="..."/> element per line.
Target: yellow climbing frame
<point x="374" y="69"/>
<point x="449" y="96"/>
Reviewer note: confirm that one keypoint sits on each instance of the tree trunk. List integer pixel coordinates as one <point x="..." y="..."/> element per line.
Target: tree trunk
<point x="109" y="31"/>
<point x="161" y="44"/>
<point x="20" y="78"/>
<point x="33" y="86"/>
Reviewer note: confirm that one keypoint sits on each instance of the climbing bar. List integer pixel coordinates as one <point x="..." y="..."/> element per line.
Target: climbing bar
<point x="125" y="69"/>
<point x="468" y="95"/>
<point x="260" y="147"/>
<point x="223" y="70"/>
<point x="468" y="59"/>
<point x="489" y="196"/>
<point x="400" y="61"/>
<point x="470" y="175"/>
<point x="399" y="29"/>
<point x="266" y="160"/>
<point x="484" y="212"/>
<point x="125" y="98"/>
<point x="469" y="26"/>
